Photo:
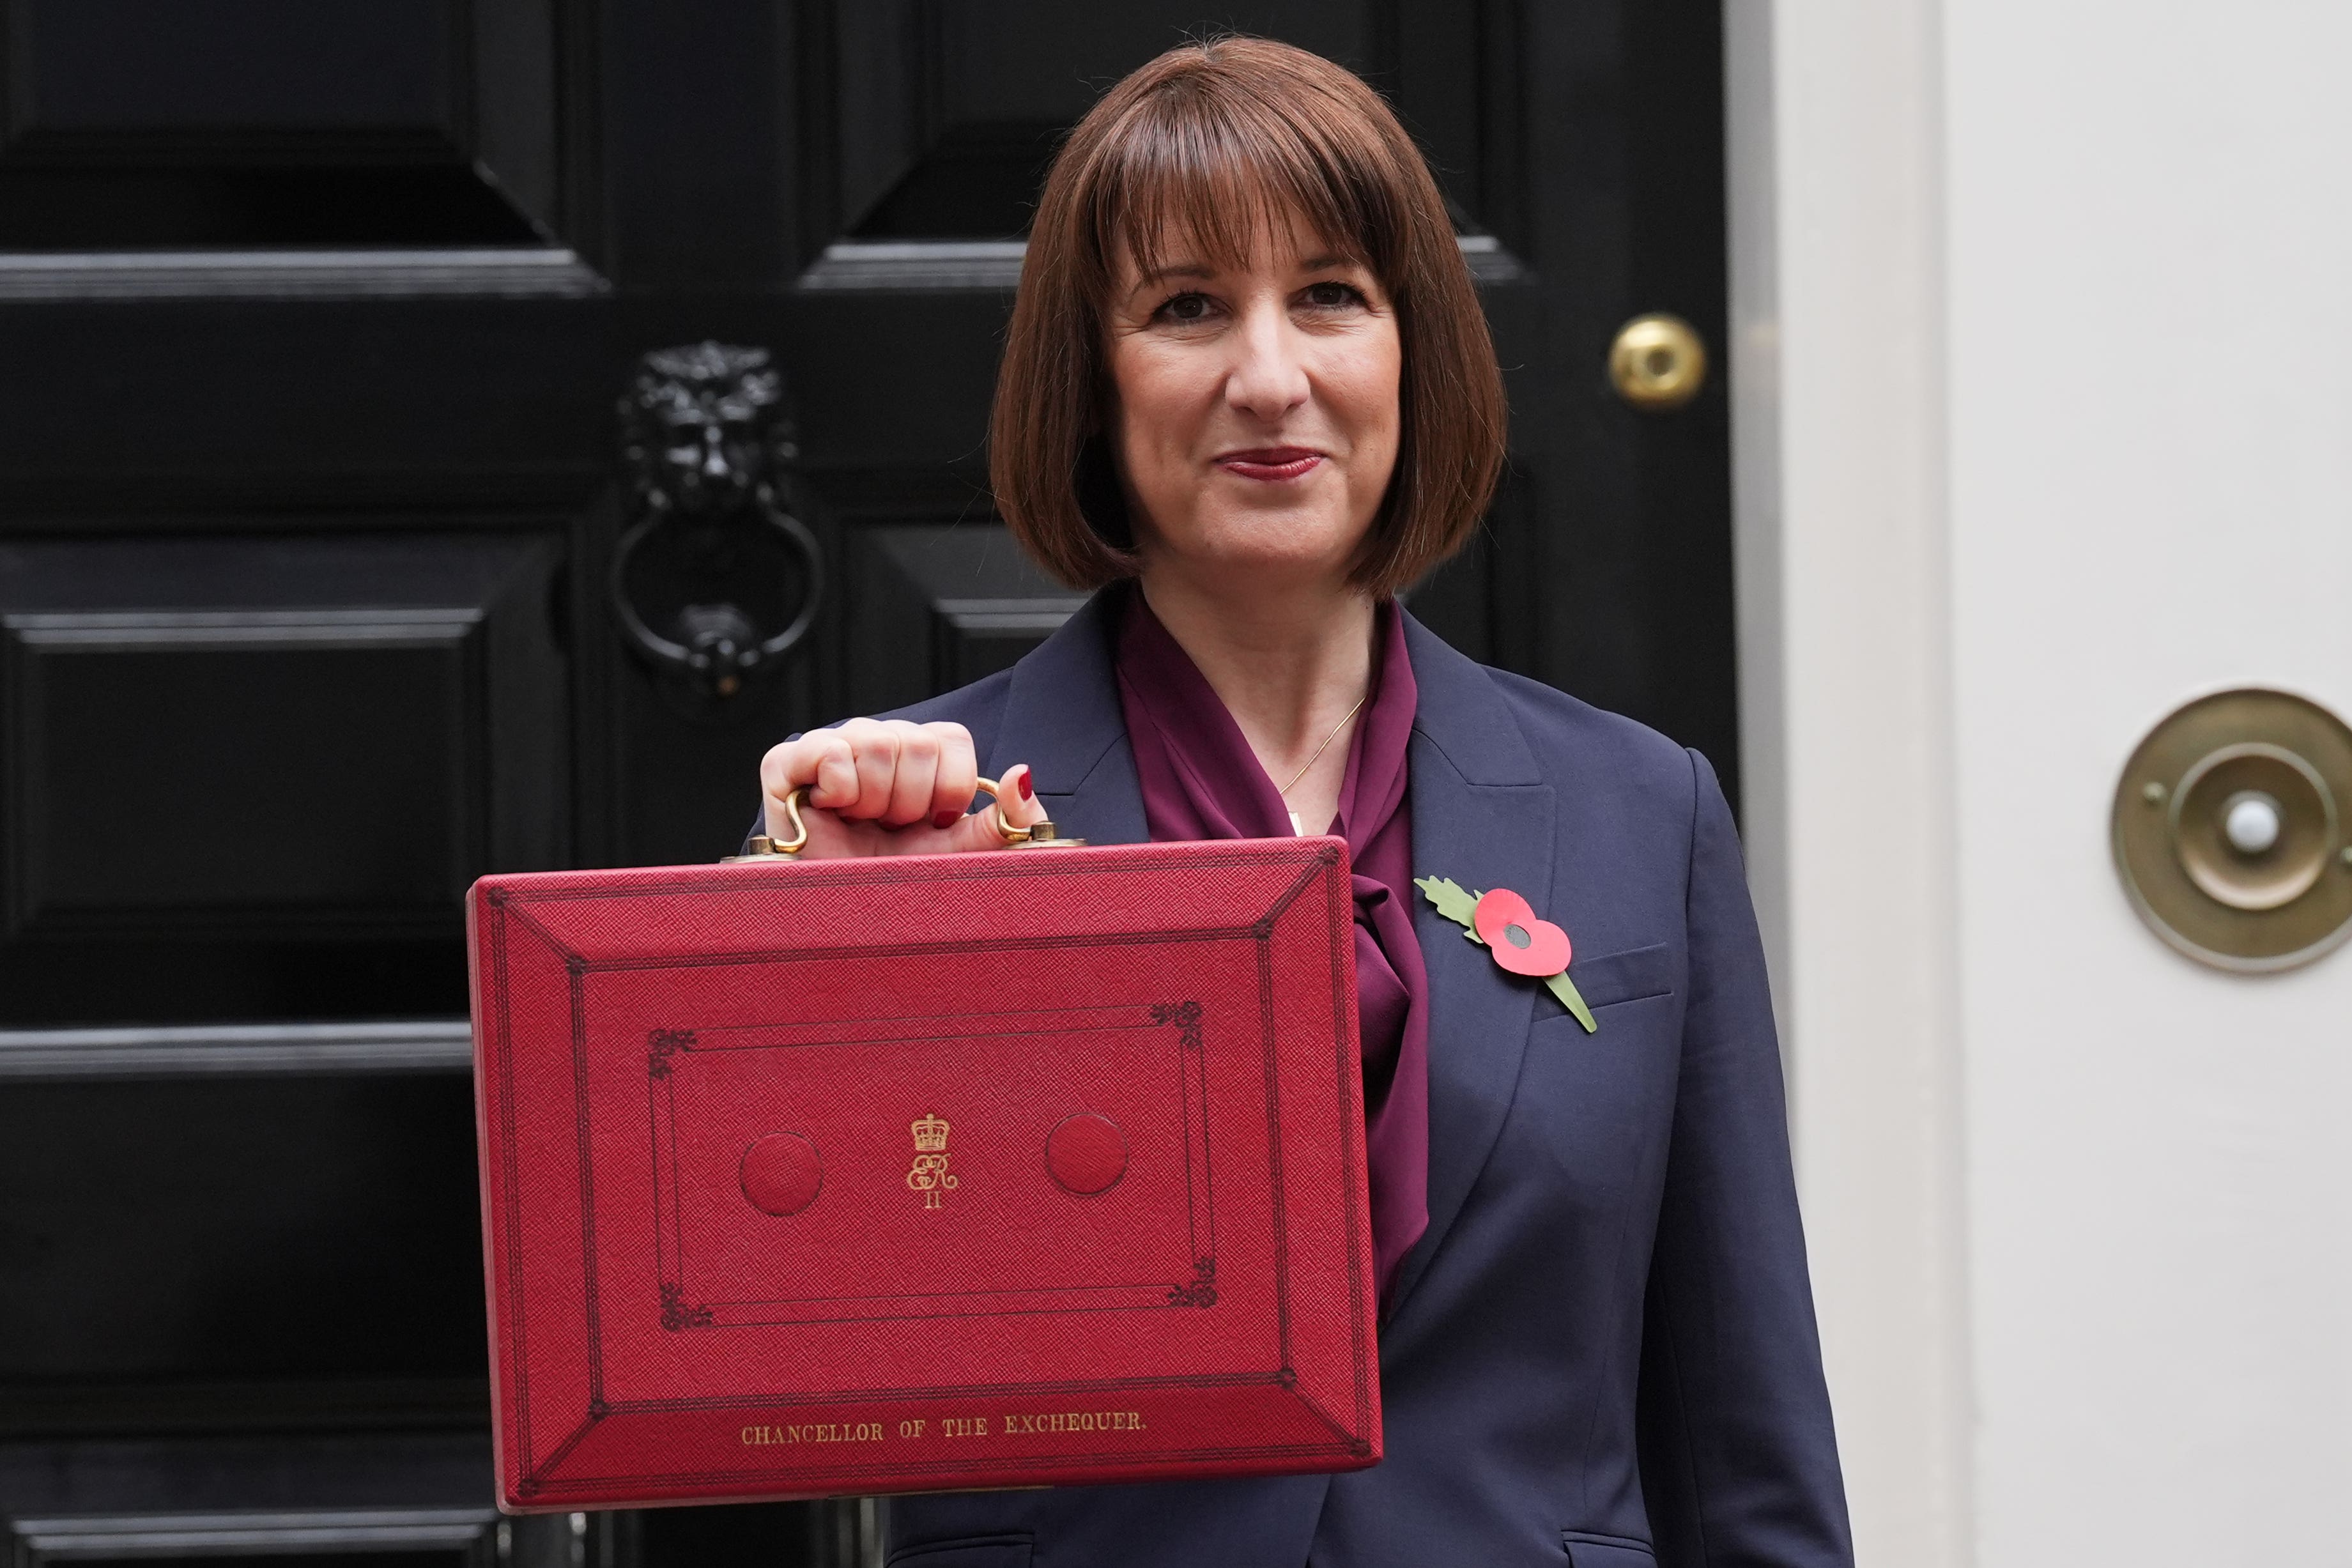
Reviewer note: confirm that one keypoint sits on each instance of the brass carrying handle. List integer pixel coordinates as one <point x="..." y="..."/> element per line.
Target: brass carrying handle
<point x="1038" y="835"/>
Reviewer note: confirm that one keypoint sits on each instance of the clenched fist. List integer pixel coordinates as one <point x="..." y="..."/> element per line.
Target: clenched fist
<point x="886" y="786"/>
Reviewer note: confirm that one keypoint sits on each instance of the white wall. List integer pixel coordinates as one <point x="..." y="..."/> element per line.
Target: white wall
<point x="2058" y="432"/>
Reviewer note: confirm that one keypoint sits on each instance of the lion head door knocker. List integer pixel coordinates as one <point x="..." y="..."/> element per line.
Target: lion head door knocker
<point x="711" y="553"/>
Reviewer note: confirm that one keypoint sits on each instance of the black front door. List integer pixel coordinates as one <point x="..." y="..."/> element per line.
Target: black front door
<point x="334" y="573"/>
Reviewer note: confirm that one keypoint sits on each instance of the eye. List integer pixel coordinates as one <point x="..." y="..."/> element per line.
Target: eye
<point x="1184" y="308"/>
<point x="1330" y="294"/>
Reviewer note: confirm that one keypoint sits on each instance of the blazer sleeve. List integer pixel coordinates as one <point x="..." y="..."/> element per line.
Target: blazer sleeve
<point x="1739" y="1464"/>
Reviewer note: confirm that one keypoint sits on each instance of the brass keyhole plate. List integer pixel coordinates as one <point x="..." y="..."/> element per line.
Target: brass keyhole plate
<point x="1658" y="361"/>
<point x="2230" y="833"/>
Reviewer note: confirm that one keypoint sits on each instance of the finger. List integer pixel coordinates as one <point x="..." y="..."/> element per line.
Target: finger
<point x="876" y="748"/>
<point x="776" y="769"/>
<point x="825" y="762"/>
<point x="911" y="784"/>
<point x="791" y="763"/>
<point x="789" y="766"/>
<point x="777" y="786"/>
<point x="1018" y="799"/>
<point x="958" y="779"/>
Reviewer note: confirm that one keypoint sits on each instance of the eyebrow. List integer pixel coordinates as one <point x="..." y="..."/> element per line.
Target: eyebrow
<point x="1175" y="269"/>
<point x="1201" y="270"/>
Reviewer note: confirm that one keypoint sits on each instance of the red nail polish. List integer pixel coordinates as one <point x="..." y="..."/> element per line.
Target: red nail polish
<point x="1028" y="790"/>
<point x="945" y="818"/>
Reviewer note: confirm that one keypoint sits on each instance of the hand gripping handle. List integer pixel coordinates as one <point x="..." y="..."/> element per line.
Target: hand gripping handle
<point x="1038" y="835"/>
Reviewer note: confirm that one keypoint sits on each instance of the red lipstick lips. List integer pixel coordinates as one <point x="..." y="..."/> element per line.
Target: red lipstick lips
<point x="1270" y="463"/>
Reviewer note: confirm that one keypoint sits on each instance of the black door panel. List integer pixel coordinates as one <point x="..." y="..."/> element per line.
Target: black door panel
<point x="241" y="749"/>
<point x="267" y="123"/>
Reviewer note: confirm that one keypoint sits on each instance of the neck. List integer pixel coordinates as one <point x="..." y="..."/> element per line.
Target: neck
<point x="1289" y="667"/>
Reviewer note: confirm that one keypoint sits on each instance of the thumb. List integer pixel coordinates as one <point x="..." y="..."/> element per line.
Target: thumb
<point x="1018" y="800"/>
<point x="1016" y="803"/>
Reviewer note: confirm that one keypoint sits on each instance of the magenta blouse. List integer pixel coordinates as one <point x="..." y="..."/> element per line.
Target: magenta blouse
<point x="1201" y="779"/>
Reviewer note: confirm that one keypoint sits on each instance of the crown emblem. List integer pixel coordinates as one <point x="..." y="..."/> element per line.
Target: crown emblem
<point x="929" y="1175"/>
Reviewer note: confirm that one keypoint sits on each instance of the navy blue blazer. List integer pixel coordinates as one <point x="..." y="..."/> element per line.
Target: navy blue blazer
<point x="1603" y="1351"/>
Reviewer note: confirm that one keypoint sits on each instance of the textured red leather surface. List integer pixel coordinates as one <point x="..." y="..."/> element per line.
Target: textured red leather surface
<point x="1018" y="1169"/>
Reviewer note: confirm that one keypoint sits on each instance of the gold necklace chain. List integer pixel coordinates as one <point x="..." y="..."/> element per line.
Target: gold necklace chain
<point x="1285" y="790"/>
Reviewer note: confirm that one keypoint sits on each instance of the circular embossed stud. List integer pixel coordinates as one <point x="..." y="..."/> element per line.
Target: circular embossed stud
<point x="1086" y="1155"/>
<point x="781" y="1173"/>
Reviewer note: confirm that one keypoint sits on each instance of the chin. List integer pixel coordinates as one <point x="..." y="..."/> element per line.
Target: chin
<point x="1271" y="550"/>
<point x="1256" y="568"/>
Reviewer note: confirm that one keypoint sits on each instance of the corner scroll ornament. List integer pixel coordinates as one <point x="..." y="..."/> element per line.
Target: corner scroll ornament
<point x="710" y="450"/>
<point x="1185" y="1016"/>
<point x="678" y="1313"/>
<point x="929" y="1175"/>
<point x="1201" y="1291"/>
<point x="663" y="1044"/>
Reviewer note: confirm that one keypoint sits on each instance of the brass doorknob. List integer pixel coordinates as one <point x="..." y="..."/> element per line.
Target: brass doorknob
<point x="1658" y="361"/>
<point x="2230" y="832"/>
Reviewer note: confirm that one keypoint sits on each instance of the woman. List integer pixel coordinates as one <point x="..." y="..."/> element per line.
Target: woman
<point x="1247" y="394"/>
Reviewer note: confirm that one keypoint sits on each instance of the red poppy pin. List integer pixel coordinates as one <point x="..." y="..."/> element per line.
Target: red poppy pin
<point x="1507" y="926"/>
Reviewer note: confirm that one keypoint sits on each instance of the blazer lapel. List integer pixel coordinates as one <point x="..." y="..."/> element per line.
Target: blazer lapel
<point x="1483" y="815"/>
<point x="1062" y="716"/>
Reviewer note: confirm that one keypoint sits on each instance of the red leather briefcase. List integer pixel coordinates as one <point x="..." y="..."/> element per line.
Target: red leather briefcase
<point x="905" y="1174"/>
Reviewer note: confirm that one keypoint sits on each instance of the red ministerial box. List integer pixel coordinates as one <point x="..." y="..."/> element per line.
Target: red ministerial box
<point x="1018" y="1169"/>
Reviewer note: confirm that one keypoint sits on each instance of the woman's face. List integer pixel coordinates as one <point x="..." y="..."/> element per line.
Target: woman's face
<point x="1254" y="413"/>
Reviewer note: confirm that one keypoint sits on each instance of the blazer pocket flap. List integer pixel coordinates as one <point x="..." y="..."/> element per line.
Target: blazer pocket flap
<point x="1626" y="976"/>
<point x="976" y="1551"/>
<point x="1605" y="1551"/>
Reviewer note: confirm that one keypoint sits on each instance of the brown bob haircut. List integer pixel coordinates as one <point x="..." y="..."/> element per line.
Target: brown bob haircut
<point x="1214" y="144"/>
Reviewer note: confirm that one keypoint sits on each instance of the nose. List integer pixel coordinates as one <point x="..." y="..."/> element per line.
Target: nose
<point x="714" y="456"/>
<point x="1269" y="378"/>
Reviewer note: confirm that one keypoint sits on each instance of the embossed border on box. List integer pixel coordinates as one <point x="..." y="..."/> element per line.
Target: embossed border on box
<point x="1191" y="1281"/>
